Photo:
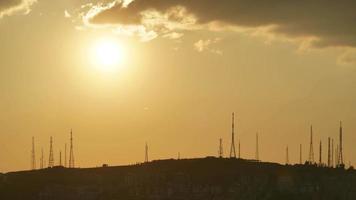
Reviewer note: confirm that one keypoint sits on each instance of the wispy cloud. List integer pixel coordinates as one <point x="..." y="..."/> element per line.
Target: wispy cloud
<point x="331" y="23"/>
<point x="207" y="45"/>
<point x="11" y="7"/>
<point x="348" y="57"/>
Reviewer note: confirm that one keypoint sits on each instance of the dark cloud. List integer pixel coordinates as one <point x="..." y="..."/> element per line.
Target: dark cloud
<point x="6" y="4"/>
<point x="333" y="23"/>
<point x="9" y="7"/>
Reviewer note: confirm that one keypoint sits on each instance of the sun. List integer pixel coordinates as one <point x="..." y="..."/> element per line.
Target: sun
<point x="107" y="54"/>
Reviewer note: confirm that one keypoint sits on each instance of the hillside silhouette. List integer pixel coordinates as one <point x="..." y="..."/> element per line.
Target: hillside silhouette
<point x="195" y="179"/>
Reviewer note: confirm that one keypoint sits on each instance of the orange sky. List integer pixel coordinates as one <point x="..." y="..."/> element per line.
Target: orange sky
<point x="177" y="87"/>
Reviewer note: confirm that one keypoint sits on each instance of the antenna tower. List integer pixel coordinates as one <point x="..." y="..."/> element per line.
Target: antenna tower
<point x="341" y="159"/>
<point x="311" y="151"/>
<point x="332" y="153"/>
<point x="232" y="149"/>
<point x="33" y="156"/>
<point x="60" y="158"/>
<point x="257" y="157"/>
<point x="320" y="154"/>
<point x="41" y="161"/>
<point x="329" y="152"/>
<point x="220" y="148"/>
<point x="146" y="153"/>
<point x="287" y="156"/>
<point x="239" y="149"/>
<point x="65" y="155"/>
<point x="71" y="153"/>
<point x="337" y="155"/>
<point x="300" y="154"/>
<point x="50" y="159"/>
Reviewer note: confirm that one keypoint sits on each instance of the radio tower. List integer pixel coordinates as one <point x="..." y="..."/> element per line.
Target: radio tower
<point x="311" y="151"/>
<point x="65" y="155"/>
<point x="232" y="149"/>
<point x="60" y="158"/>
<point x="33" y="156"/>
<point x="220" y="148"/>
<point x="257" y="157"/>
<point x="50" y="159"/>
<point x="41" y="160"/>
<point x="341" y="159"/>
<point x="300" y="154"/>
<point x="146" y="153"/>
<point x="239" y="149"/>
<point x="329" y="152"/>
<point x="71" y="153"/>
<point x="337" y="155"/>
<point x="332" y="153"/>
<point x="320" y="154"/>
<point x="287" y="156"/>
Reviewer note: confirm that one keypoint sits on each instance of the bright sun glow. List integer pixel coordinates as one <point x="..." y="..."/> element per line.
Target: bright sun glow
<point x="107" y="54"/>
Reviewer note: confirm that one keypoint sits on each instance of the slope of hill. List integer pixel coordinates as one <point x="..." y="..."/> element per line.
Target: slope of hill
<point x="187" y="179"/>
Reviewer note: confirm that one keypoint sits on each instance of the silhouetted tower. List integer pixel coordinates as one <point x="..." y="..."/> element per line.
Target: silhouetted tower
<point x="51" y="159"/>
<point x="340" y="159"/>
<point x="65" y="155"/>
<point x="320" y="154"/>
<point x="329" y="152"/>
<point x="220" y="148"/>
<point x="337" y="155"/>
<point x="60" y="158"/>
<point x="33" y="156"/>
<point x="41" y="160"/>
<point x="311" y="150"/>
<point x="146" y="153"/>
<point x="287" y="156"/>
<point x="332" y="153"/>
<point x="71" y="153"/>
<point x="257" y="156"/>
<point x="239" y="149"/>
<point x="232" y="148"/>
<point x="300" y="154"/>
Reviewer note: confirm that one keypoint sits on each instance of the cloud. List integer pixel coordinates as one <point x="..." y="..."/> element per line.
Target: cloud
<point x="206" y="45"/>
<point x="348" y="57"/>
<point x="328" y="23"/>
<point x="67" y="14"/>
<point x="10" y="7"/>
<point x="173" y="35"/>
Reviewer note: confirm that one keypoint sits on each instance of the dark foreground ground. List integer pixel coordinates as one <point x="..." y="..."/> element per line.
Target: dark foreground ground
<point x="188" y="179"/>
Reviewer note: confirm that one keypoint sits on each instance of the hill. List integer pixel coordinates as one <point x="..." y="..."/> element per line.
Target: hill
<point x="188" y="179"/>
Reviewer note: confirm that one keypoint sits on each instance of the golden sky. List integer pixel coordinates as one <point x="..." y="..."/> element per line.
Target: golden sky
<point x="183" y="67"/>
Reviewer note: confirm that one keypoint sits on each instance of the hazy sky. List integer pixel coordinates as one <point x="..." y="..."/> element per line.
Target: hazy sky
<point x="187" y="64"/>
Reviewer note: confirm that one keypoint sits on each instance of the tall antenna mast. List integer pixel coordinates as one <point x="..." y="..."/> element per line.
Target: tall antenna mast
<point x="146" y="153"/>
<point x="329" y="152"/>
<point x="41" y="164"/>
<point x="337" y="155"/>
<point x="332" y="153"/>
<point x="232" y="149"/>
<point x="65" y="155"/>
<point x="71" y="153"/>
<point x="287" y="156"/>
<point x="257" y="157"/>
<point x="300" y="154"/>
<point x="33" y="156"/>
<point x="60" y="158"/>
<point x="311" y="151"/>
<point x="220" y="148"/>
<point x="50" y="159"/>
<point x="239" y="148"/>
<point x="341" y="159"/>
<point x="320" y="154"/>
